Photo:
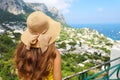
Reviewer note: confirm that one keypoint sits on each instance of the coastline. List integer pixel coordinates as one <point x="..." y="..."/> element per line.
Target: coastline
<point x="110" y="30"/>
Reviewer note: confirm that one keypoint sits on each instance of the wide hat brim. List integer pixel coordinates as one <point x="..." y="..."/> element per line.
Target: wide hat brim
<point x="53" y="31"/>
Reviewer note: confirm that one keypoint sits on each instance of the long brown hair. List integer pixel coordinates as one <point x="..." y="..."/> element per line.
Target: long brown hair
<point x="33" y="64"/>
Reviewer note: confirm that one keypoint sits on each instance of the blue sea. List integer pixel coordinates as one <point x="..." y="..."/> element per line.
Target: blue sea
<point x="109" y="30"/>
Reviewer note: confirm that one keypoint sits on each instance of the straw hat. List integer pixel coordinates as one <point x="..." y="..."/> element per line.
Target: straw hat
<point x="40" y="26"/>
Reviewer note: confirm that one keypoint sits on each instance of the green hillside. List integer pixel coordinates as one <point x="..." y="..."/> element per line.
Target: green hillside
<point x="9" y="17"/>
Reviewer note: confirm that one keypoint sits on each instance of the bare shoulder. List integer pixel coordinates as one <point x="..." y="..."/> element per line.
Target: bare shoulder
<point x="58" y="57"/>
<point x="57" y="66"/>
<point x="58" y="53"/>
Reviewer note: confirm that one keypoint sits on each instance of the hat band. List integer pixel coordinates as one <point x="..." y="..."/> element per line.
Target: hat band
<point x="40" y="39"/>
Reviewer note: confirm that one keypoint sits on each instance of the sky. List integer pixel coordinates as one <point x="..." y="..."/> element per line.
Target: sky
<point x="86" y="11"/>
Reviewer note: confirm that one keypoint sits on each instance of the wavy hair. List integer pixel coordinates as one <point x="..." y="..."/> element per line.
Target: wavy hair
<point x="33" y="64"/>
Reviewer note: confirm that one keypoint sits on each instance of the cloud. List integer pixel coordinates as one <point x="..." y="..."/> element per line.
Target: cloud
<point x="100" y="9"/>
<point x="62" y="5"/>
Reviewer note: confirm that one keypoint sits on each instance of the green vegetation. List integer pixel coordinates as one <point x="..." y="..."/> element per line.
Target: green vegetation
<point x="9" y="17"/>
<point x="70" y="64"/>
<point x="7" y="47"/>
<point x="7" y="71"/>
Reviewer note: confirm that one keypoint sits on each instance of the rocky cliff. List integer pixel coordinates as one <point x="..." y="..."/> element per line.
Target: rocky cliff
<point x="15" y="6"/>
<point x="52" y="12"/>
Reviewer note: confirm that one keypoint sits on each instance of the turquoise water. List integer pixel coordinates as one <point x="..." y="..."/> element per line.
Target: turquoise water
<point x="109" y="30"/>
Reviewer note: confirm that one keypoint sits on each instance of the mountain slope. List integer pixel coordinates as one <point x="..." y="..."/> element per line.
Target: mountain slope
<point x="52" y="12"/>
<point x="15" y="9"/>
<point x="15" y="6"/>
<point x="5" y="16"/>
